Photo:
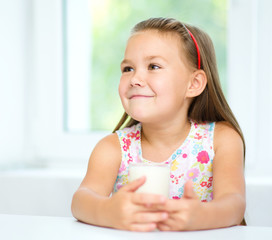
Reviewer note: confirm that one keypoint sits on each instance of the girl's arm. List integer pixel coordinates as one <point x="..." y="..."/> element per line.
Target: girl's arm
<point x="125" y="209"/>
<point x="228" y="205"/>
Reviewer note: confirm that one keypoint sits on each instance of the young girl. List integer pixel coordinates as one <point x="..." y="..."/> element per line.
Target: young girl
<point x="175" y="113"/>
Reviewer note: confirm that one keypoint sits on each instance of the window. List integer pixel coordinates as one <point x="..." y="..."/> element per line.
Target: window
<point x="56" y="79"/>
<point x="249" y="80"/>
<point x="76" y="61"/>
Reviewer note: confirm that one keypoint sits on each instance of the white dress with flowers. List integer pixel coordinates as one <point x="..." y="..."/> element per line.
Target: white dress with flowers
<point x="192" y="160"/>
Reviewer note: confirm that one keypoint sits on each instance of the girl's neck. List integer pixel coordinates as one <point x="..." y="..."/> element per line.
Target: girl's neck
<point x="160" y="141"/>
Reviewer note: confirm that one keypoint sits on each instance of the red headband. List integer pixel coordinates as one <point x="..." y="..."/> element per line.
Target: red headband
<point x="196" y="45"/>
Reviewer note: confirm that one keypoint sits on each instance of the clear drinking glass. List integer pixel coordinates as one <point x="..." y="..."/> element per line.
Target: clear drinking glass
<point x="157" y="177"/>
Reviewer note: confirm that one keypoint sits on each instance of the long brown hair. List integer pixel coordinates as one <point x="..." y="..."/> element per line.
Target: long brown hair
<point x="211" y="104"/>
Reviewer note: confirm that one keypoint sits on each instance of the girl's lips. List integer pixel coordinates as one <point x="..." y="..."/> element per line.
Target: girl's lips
<point x="140" y="96"/>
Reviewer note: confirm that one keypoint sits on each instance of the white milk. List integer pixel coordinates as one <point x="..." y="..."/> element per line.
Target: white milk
<point x="157" y="177"/>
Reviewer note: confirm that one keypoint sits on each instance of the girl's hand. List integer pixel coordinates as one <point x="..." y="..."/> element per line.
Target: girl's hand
<point x="185" y="213"/>
<point x="135" y="211"/>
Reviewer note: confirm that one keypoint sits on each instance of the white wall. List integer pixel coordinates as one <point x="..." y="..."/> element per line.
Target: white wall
<point x="14" y="32"/>
<point x="38" y="192"/>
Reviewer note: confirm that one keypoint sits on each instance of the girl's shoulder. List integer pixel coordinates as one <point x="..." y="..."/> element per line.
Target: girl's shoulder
<point x="226" y="135"/>
<point x="224" y="127"/>
<point x="113" y="142"/>
<point x="109" y="142"/>
<point x="107" y="147"/>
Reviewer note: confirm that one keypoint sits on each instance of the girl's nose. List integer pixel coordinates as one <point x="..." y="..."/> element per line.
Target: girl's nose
<point x="137" y="80"/>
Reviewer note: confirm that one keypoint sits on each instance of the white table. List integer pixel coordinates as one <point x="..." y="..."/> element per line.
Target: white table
<point x="65" y="228"/>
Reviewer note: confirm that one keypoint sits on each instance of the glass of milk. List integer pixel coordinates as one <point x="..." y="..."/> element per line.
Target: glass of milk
<point x="157" y="177"/>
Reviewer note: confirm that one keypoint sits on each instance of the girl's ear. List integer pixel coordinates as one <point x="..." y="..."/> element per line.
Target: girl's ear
<point x="197" y="84"/>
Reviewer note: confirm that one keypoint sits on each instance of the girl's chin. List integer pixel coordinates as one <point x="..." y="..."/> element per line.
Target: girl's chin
<point x="141" y="118"/>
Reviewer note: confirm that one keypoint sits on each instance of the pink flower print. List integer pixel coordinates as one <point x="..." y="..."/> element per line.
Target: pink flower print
<point x="122" y="167"/>
<point x="137" y="136"/>
<point x="203" y="157"/>
<point x="197" y="136"/>
<point x="184" y="155"/>
<point x="210" y="179"/>
<point x="127" y="143"/>
<point x="209" y="185"/>
<point x="192" y="173"/>
<point x="134" y="135"/>
<point x="129" y="158"/>
<point x="175" y="197"/>
<point x="130" y="135"/>
<point x="176" y="179"/>
<point x="203" y="184"/>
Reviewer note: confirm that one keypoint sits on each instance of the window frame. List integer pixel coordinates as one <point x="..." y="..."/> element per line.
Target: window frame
<point x="249" y="38"/>
<point x="51" y="144"/>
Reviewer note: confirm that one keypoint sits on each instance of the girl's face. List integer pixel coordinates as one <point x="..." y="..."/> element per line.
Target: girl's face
<point x="155" y="78"/>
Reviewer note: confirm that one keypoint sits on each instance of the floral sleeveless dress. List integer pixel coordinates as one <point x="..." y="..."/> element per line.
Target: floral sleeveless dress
<point x="191" y="161"/>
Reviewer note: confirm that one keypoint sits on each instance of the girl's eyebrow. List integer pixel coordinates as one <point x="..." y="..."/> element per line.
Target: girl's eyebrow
<point x="125" y="61"/>
<point x="148" y="58"/>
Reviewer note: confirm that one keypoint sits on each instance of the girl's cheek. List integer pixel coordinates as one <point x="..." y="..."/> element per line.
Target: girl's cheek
<point x="121" y="85"/>
<point x="122" y="91"/>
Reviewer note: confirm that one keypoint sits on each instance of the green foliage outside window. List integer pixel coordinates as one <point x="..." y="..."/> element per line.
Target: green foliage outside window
<point x="112" y="21"/>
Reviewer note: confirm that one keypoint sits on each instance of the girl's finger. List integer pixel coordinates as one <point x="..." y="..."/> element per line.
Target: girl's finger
<point x="189" y="190"/>
<point x="148" y="200"/>
<point x="174" y="205"/>
<point x="168" y="224"/>
<point x="163" y="227"/>
<point x="147" y="227"/>
<point x="134" y="185"/>
<point x="147" y="217"/>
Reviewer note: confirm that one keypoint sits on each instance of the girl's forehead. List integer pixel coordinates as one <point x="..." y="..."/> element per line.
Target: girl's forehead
<point x="156" y="34"/>
<point x="154" y="41"/>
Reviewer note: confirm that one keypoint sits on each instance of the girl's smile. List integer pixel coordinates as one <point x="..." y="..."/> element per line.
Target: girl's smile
<point x="140" y="97"/>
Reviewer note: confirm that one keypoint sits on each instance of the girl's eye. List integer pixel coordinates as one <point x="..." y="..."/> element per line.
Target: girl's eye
<point x="127" y="69"/>
<point x="153" y="67"/>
